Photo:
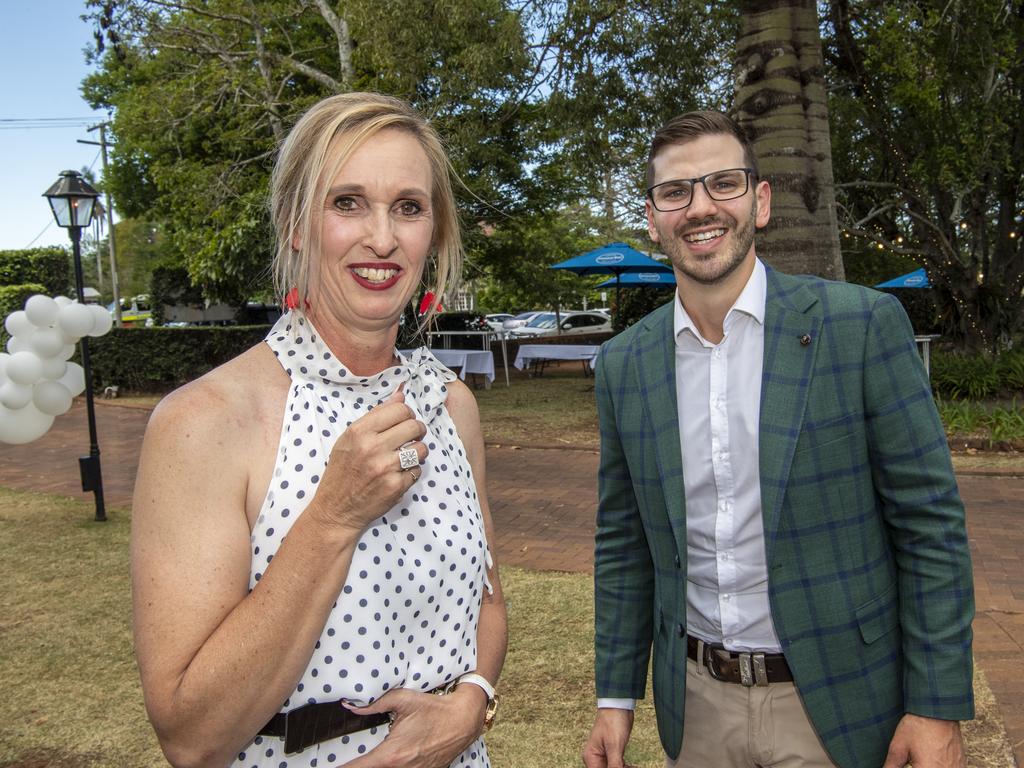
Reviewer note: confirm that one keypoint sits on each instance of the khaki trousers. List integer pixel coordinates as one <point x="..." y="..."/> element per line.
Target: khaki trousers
<point x="732" y="726"/>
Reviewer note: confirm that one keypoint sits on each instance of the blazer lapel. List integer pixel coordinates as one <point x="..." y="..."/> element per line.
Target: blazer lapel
<point x="654" y="354"/>
<point x="791" y="339"/>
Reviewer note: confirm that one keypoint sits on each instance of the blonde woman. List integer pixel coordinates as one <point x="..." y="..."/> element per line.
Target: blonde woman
<point x="310" y="531"/>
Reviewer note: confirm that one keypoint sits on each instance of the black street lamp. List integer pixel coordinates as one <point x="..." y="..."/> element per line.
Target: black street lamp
<point x="73" y="199"/>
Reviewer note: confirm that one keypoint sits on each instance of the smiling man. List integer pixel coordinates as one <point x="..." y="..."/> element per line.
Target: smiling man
<point x="778" y="517"/>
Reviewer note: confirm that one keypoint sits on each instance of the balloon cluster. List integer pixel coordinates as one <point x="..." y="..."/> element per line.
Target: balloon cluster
<point x="37" y="383"/>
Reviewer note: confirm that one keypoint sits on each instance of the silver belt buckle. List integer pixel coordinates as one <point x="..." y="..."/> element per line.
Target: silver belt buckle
<point x="746" y="672"/>
<point x="760" y="670"/>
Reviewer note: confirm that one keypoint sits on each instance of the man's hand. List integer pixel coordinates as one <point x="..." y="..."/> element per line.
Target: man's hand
<point x="428" y="731"/>
<point x="606" y="747"/>
<point x="927" y="743"/>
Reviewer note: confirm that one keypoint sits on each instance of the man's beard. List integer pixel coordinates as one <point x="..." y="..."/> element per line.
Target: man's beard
<point x="714" y="267"/>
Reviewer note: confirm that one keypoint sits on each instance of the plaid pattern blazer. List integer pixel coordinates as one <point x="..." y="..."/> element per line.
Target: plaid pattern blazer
<point x="870" y="580"/>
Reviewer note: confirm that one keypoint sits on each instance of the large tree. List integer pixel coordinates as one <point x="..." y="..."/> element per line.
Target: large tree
<point x="781" y="102"/>
<point x="928" y="125"/>
<point x="203" y="92"/>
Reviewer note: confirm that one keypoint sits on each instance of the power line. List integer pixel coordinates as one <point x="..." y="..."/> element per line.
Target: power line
<point x="24" y="123"/>
<point x="43" y="232"/>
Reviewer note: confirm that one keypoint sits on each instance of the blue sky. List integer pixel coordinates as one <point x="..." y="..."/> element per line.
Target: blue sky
<point x="42" y="64"/>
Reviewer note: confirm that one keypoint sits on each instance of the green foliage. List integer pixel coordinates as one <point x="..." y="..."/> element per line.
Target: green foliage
<point x="927" y="117"/>
<point x="49" y="267"/>
<point x="999" y="424"/>
<point x="959" y="376"/>
<point x="636" y="302"/>
<point x="171" y="286"/>
<point x="159" y="359"/>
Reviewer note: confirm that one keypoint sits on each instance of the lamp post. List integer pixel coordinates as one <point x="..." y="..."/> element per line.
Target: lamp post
<point x="73" y="199"/>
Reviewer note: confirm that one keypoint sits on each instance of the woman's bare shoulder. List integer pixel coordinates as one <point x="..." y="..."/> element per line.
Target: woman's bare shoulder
<point x="229" y="401"/>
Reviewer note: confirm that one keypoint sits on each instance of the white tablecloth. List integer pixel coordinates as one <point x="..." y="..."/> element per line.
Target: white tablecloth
<point x="467" y="360"/>
<point x="530" y="352"/>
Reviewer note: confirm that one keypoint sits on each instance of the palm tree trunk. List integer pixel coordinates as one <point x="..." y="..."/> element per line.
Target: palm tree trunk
<point x="781" y="102"/>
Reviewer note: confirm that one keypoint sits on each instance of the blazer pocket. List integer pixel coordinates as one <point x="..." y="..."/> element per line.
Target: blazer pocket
<point x="879" y="616"/>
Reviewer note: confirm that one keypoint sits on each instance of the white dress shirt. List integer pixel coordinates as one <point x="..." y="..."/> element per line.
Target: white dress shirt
<point x="718" y="394"/>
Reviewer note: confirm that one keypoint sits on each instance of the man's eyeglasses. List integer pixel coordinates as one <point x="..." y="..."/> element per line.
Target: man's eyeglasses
<point x="721" y="185"/>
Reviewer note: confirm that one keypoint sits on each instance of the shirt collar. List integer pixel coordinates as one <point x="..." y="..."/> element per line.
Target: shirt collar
<point x="751" y="301"/>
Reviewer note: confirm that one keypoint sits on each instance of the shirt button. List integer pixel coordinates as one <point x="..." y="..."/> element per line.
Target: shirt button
<point x="678" y="564"/>
<point x="726" y="597"/>
<point x="681" y="630"/>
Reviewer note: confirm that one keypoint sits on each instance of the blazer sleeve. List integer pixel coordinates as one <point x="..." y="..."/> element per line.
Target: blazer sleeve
<point x="623" y="571"/>
<point x="913" y="477"/>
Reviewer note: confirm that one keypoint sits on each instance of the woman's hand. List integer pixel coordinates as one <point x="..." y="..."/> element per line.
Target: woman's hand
<point x="428" y="731"/>
<point x="364" y="478"/>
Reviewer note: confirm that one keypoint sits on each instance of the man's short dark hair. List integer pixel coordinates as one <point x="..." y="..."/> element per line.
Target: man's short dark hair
<point x="692" y="125"/>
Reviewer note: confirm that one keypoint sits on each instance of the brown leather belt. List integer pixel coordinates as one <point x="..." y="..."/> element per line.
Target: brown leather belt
<point x="744" y="668"/>
<point x="312" y="723"/>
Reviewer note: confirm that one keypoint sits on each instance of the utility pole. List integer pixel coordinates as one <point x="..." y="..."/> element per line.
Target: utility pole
<point x="102" y="144"/>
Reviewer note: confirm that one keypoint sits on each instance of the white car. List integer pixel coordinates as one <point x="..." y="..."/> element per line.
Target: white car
<point x="519" y="320"/>
<point x="497" y="320"/>
<point x="572" y="323"/>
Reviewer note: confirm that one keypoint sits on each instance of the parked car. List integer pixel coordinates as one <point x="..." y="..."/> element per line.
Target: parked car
<point x="497" y="319"/>
<point x="572" y="324"/>
<point x="520" y="320"/>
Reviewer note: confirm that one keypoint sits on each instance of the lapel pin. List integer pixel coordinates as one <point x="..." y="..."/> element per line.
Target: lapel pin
<point x="805" y="340"/>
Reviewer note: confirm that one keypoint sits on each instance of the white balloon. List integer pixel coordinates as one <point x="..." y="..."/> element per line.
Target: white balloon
<point x="23" y="425"/>
<point x="67" y="352"/>
<point x="4" y="357"/>
<point x="51" y="397"/>
<point x="18" y="324"/>
<point x="101" y="319"/>
<point x="47" y="342"/>
<point x="53" y="368"/>
<point x="14" y="395"/>
<point x="74" y="379"/>
<point x="24" y="368"/>
<point x="41" y="310"/>
<point x="17" y="344"/>
<point x="75" y="320"/>
<point x="62" y="301"/>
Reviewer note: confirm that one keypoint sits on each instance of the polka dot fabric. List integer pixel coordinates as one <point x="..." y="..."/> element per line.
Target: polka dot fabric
<point x="407" y="614"/>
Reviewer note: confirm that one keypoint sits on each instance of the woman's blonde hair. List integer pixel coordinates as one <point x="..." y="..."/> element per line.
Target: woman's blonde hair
<point x="310" y="157"/>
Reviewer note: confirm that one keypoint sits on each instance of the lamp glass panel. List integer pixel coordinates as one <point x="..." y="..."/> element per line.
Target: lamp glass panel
<point x="61" y="210"/>
<point x="82" y="208"/>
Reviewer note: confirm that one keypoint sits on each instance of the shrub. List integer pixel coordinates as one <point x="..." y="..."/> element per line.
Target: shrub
<point x="159" y="359"/>
<point x="49" y="267"/>
<point x="959" y="377"/>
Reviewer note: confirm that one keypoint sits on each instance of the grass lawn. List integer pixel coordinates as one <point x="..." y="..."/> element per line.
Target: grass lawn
<point x="71" y="692"/>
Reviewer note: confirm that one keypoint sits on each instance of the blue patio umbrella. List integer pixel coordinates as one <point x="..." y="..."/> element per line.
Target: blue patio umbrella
<point x="916" y="279"/>
<point x="615" y="259"/>
<point x="653" y="279"/>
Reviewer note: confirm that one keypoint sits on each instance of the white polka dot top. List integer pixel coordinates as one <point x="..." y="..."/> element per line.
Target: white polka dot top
<point x="407" y="614"/>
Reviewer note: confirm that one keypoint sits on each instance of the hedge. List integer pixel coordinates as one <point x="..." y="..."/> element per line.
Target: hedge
<point x="160" y="359"/>
<point x="49" y="267"/>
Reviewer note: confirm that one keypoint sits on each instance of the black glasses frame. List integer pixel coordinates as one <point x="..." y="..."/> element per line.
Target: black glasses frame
<point x="748" y="173"/>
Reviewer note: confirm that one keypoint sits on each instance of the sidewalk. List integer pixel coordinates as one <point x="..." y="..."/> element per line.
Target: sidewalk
<point x="543" y="500"/>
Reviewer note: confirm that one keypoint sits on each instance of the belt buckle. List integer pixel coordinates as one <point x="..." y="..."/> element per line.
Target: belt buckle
<point x="746" y="670"/>
<point x="710" y="660"/>
<point x="760" y="670"/>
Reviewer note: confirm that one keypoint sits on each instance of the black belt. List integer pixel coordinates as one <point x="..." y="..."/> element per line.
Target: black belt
<point x="312" y="723"/>
<point x="743" y="668"/>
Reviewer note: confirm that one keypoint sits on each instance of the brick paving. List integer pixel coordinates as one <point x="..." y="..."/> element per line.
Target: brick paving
<point x="542" y="501"/>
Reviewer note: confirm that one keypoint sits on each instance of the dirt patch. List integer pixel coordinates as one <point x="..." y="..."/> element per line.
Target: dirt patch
<point x="50" y="758"/>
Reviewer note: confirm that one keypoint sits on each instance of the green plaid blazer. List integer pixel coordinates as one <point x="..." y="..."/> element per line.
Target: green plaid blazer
<point x="870" y="580"/>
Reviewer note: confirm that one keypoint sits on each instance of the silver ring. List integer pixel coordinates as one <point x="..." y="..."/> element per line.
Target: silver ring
<point x="408" y="458"/>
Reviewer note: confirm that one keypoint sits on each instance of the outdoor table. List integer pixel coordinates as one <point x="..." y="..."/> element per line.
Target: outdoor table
<point x="485" y="342"/>
<point x="924" y="344"/>
<point x="467" y="360"/>
<point x="538" y="354"/>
